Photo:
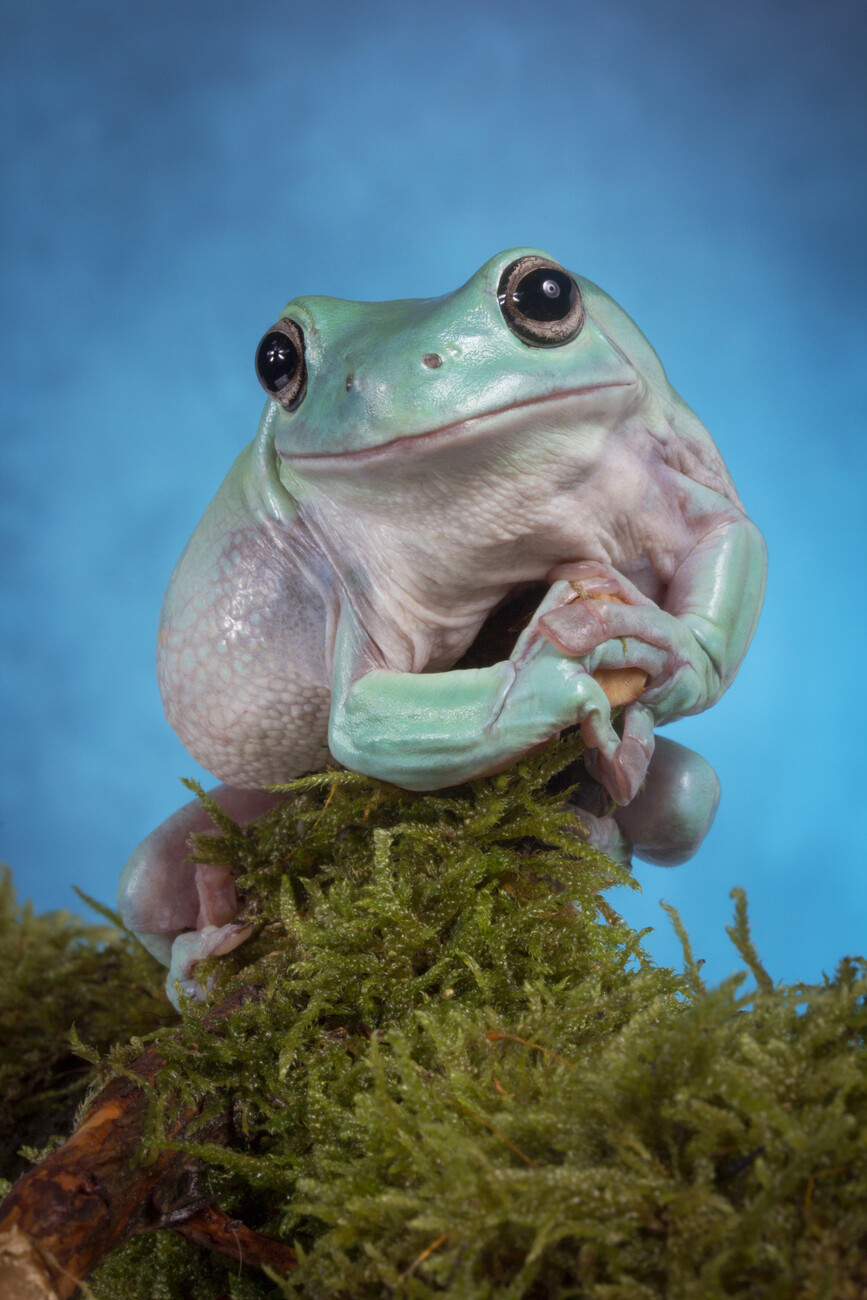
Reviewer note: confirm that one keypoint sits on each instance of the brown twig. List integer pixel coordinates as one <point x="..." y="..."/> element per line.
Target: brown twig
<point x="216" y="1230"/>
<point x="497" y="1035"/>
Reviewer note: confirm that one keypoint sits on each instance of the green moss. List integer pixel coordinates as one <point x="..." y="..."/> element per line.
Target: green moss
<point x="56" y="970"/>
<point x="447" y="1079"/>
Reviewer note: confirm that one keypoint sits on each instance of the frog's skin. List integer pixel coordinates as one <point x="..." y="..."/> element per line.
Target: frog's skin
<point x="435" y="461"/>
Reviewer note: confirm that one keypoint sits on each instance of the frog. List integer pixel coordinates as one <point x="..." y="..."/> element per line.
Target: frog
<point x="421" y="468"/>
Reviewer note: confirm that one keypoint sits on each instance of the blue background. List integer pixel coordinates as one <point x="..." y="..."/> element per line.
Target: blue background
<point x="174" y="172"/>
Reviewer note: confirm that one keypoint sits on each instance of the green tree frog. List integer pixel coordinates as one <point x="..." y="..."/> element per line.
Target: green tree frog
<point x="423" y="467"/>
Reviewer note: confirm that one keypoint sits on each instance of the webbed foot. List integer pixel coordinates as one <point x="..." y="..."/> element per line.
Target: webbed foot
<point x="183" y="911"/>
<point x="192" y="947"/>
<point x="674" y="809"/>
<point x="667" y="820"/>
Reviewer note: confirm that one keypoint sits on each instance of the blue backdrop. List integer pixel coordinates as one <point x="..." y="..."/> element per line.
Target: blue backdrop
<point x="175" y="171"/>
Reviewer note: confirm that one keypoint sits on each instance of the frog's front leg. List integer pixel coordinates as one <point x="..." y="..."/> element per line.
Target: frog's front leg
<point x="692" y="646"/>
<point x="423" y="731"/>
<point x="180" y="910"/>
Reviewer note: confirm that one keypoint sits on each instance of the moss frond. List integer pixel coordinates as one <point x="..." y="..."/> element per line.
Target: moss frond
<point x="739" y="933"/>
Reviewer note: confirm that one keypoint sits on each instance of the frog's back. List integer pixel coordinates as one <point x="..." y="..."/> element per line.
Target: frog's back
<point x="241" y="653"/>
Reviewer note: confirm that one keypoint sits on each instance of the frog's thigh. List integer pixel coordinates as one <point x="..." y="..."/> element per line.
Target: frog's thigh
<point x="162" y="892"/>
<point x="674" y="810"/>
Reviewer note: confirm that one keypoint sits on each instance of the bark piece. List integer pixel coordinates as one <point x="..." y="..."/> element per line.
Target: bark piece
<point x="91" y="1195"/>
<point x="22" y="1276"/>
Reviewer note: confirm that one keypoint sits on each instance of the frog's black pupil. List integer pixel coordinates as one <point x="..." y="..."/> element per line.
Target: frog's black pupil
<point x="277" y="361"/>
<point x="545" y="294"/>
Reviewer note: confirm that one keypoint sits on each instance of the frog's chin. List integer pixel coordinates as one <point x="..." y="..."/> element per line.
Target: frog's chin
<point x="566" y="409"/>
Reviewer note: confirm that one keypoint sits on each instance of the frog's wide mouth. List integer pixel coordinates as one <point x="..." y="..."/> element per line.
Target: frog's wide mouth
<point x="460" y="431"/>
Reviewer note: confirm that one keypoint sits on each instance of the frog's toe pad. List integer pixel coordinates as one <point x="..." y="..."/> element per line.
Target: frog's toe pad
<point x="192" y="947"/>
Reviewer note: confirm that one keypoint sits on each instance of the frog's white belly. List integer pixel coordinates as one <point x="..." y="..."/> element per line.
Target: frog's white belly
<point x="241" y="658"/>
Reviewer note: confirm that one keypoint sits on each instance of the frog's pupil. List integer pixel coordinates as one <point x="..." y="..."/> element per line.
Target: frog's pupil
<point x="277" y="361"/>
<point x="545" y="294"/>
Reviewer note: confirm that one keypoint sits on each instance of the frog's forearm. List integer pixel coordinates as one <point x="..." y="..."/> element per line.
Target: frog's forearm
<point x="424" y="731"/>
<point x="419" y="731"/>
<point x="718" y="592"/>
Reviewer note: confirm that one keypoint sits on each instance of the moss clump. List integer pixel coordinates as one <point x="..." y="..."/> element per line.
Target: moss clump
<point x="449" y="1078"/>
<point x="56" y="970"/>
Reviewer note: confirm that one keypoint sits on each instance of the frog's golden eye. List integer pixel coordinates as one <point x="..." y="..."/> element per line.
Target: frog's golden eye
<point x="540" y="302"/>
<point x="280" y="366"/>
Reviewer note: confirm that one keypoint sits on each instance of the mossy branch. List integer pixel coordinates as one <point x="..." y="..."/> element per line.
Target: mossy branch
<point x="461" y="1074"/>
<point x="94" y="1192"/>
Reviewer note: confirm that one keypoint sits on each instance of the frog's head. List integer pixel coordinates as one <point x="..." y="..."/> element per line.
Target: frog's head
<point x="354" y="384"/>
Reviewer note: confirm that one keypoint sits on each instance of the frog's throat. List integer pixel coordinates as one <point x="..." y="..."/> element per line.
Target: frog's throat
<point x="455" y="434"/>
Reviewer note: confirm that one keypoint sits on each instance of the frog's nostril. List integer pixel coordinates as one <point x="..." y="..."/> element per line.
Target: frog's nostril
<point x="432" y="360"/>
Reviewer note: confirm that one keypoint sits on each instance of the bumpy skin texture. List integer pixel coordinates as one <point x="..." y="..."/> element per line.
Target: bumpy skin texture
<point x="437" y="463"/>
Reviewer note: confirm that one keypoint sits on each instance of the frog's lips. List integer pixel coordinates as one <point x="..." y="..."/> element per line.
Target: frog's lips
<point x="461" y="431"/>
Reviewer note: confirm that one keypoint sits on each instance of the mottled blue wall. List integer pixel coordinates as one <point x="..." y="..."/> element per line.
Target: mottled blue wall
<point x="175" y="171"/>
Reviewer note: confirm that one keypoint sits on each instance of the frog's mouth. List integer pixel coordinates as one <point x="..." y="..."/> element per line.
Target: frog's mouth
<point x="468" y="430"/>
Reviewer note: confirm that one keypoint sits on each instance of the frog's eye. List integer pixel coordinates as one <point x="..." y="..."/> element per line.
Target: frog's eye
<point x="541" y="302"/>
<point x="280" y="366"/>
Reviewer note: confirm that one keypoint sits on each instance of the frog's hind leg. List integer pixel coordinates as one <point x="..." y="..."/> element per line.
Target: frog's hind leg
<point x="668" y="818"/>
<point x="180" y="910"/>
<point x="674" y="809"/>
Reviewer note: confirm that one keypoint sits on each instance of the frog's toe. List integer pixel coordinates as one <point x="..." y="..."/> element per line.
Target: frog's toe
<point x="674" y="810"/>
<point x="192" y="947"/>
<point x="598" y="581"/>
<point x="604" y="834"/>
<point x="623" y="772"/>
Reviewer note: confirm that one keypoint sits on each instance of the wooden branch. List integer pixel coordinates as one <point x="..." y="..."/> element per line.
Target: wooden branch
<point x="621" y="685"/>
<point x="92" y="1194"/>
<point x="216" y="1230"/>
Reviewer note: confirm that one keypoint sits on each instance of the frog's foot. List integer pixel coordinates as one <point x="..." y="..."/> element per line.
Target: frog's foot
<point x="675" y="808"/>
<point x="620" y="761"/>
<point x="607" y="631"/>
<point x="604" y="834"/>
<point x="164" y="897"/>
<point x="192" y="947"/>
<point x="666" y="821"/>
<point x="609" y="623"/>
<point x="623" y="772"/>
